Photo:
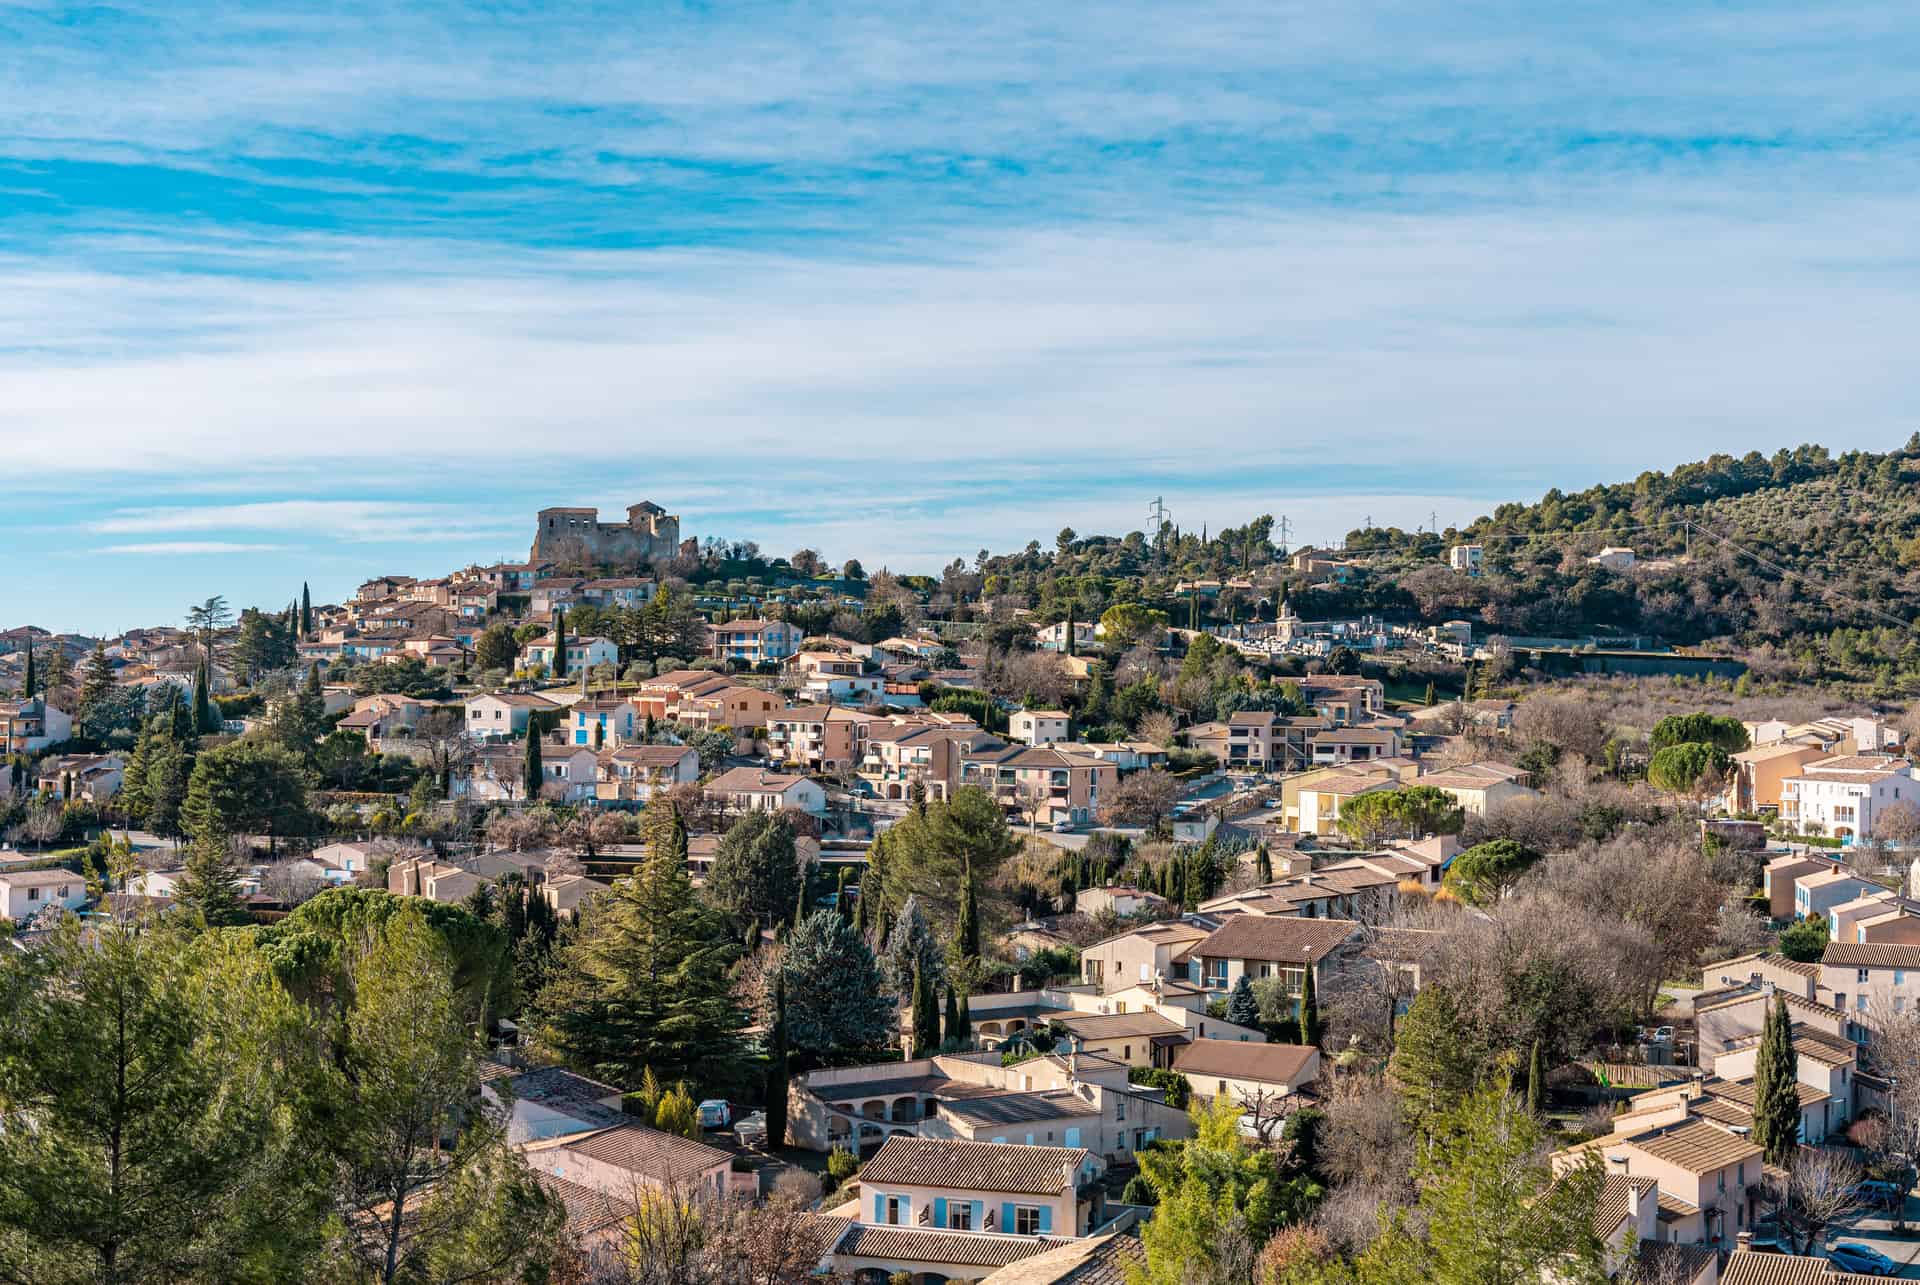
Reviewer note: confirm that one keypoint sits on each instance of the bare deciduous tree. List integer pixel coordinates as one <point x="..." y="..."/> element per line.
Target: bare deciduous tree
<point x="1819" y="1190"/>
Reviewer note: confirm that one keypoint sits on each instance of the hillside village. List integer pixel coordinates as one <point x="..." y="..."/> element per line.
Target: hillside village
<point x="1014" y="926"/>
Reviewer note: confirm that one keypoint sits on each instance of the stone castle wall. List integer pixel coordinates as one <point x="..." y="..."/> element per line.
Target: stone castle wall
<point x="577" y="537"/>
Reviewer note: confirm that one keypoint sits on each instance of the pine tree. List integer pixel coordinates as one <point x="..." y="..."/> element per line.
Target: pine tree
<point x="1242" y="1008"/>
<point x="1309" y="1009"/>
<point x="210" y="885"/>
<point x="926" y="1013"/>
<point x="777" y="1066"/>
<point x="1776" y="1093"/>
<point x="645" y="984"/>
<point x="968" y="935"/>
<point x="534" y="774"/>
<point x="95" y="689"/>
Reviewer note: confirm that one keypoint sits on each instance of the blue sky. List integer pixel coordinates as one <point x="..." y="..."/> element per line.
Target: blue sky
<point x="309" y="292"/>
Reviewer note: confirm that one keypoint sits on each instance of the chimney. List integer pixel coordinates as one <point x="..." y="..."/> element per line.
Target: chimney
<point x="1743" y="1240"/>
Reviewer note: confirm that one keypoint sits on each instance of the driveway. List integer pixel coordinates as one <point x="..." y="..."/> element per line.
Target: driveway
<point x="1872" y="1229"/>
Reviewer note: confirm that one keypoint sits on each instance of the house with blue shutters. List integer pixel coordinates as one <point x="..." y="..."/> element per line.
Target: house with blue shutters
<point x="935" y="1208"/>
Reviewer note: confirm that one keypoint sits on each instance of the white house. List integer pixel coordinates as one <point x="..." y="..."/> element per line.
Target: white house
<point x="503" y="715"/>
<point x="28" y="892"/>
<point x="1842" y="797"/>
<point x="1040" y="726"/>
<point x="582" y="653"/>
<point x="752" y="789"/>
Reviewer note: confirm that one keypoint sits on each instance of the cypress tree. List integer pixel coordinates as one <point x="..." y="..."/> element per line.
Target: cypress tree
<point x="1776" y="1093"/>
<point x="840" y="893"/>
<point x="926" y="1013"/>
<point x="966" y="1019"/>
<point x="969" y="933"/>
<point x="1536" y="1080"/>
<point x="535" y="772"/>
<point x="204" y="719"/>
<point x="1431" y="694"/>
<point x="953" y="1015"/>
<point x="1309" y="1009"/>
<point x="777" y="1065"/>
<point x="306" y="611"/>
<point x="860" y="912"/>
<point x="33" y="678"/>
<point x="559" y="644"/>
<point x="800" y="893"/>
<point x="1073" y="648"/>
<point x="1263" y="866"/>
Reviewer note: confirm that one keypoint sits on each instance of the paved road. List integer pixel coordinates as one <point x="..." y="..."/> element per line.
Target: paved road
<point x="1872" y="1230"/>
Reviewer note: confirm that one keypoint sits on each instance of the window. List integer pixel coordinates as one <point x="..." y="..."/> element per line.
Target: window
<point x="1860" y="975"/>
<point x="1223" y="1086"/>
<point x="896" y="1210"/>
<point x="33" y="894"/>
<point x="960" y="1215"/>
<point x="1859" y="1003"/>
<point x="1126" y="1052"/>
<point x="1119" y="1106"/>
<point x="1899" y="977"/>
<point x="1026" y="1220"/>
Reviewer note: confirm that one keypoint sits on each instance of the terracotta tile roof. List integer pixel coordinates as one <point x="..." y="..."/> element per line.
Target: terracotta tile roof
<point x="1616" y="1201"/>
<point x="910" y="1245"/>
<point x="1020" y="1108"/>
<point x="1276" y="938"/>
<point x="1235" y="1060"/>
<point x="1848" y="954"/>
<point x="1744" y="1267"/>
<point x="1100" y="1260"/>
<point x="1107" y="1026"/>
<point x="651" y="1153"/>
<point x="997" y="1167"/>
<point x="1664" y="1261"/>
<point x="588" y="1209"/>
<point x="1696" y="1146"/>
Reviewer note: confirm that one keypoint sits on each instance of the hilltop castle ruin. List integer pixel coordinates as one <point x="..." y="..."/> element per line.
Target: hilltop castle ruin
<point x="577" y="537"/>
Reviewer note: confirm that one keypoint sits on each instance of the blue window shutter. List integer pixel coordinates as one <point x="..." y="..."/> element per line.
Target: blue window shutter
<point x="1046" y="1219"/>
<point x="979" y="1215"/>
<point x="1073" y="1137"/>
<point x="1006" y="1217"/>
<point x="879" y="1209"/>
<point x="939" y="1211"/>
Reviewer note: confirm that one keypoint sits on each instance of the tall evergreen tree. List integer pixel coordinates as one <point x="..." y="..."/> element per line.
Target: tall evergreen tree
<point x="1263" y="866"/>
<point x="756" y="870"/>
<point x="204" y="718"/>
<point x="645" y="983"/>
<point x="559" y="644"/>
<point x="835" y="1004"/>
<point x="777" y="1066"/>
<point x="926" y="1013"/>
<point x="95" y="689"/>
<point x="968" y="935"/>
<point x="1242" y="1008"/>
<point x="1309" y="1008"/>
<point x="966" y="1020"/>
<point x="1776" y="1092"/>
<point x="210" y="885"/>
<point x="33" y="677"/>
<point x="533" y="774"/>
<point x="306" y="611"/>
<point x="1536" y="1080"/>
<point x="952" y="1025"/>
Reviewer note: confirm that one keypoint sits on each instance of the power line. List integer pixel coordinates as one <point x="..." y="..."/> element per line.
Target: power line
<point x="1856" y="603"/>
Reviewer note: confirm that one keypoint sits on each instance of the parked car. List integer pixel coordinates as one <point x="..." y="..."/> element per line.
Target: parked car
<point x="715" y="1114"/>
<point x="751" y="1130"/>
<point x="1879" y="1193"/>
<point x="1849" y="1257"/>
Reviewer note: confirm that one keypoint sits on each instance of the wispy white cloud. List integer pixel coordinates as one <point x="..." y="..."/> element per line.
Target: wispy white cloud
<point x="344" y="520"/>
<point x="185" y="548"/>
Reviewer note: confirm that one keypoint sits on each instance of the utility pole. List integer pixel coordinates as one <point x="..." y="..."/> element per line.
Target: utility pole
<point x="1286" y="533"/>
